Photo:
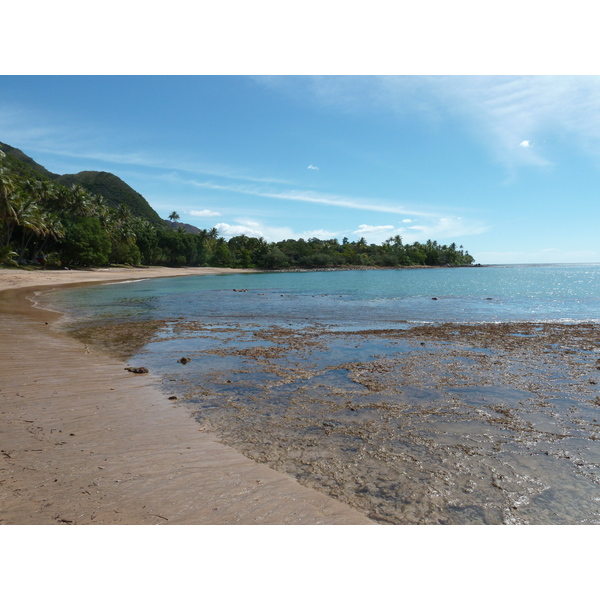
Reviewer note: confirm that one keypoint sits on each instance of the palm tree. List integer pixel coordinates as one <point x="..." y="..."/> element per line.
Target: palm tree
<point x="80" y="203"/>
<point x="9" y="213"/>
<point x="32" y="220"/>
<point x="361" y="244"/>
<point x="100" y="207"/>
<point x="7" y="202"/>
<point x="43" y="193"/>
<point x="174" y="216"/>
<point x="120" y="225"/>
<point x="7" y="256"/>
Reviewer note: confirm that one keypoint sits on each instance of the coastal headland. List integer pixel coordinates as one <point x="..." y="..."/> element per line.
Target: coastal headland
<point x="84" y="441"/>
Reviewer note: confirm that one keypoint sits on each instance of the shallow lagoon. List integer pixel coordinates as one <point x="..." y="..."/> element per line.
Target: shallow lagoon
<point x="353" y="383"/>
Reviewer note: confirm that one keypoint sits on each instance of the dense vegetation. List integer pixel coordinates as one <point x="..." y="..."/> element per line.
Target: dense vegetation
<point x="59" y="220"/>
<point x="114" y="190"/>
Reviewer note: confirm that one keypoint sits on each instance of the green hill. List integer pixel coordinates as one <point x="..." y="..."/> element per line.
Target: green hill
<point x="114" y="190"/>
<point x="23" y="166"/>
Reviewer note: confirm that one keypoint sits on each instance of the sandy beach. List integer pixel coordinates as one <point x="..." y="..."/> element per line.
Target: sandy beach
<point x="83" y="441"/>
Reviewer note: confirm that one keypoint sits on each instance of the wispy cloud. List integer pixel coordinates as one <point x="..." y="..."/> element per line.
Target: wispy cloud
<point x="20" y="124"/>
<point x="36" y="132"/>
<point x="428" y="224"/>
<point x="504" y="112"/>
<point x="499" y="111"/>
<point x="57" y="141"/>
<point x="309" y="196"/>
<point x="203" y="213"/>
<point x="145" y="160"/>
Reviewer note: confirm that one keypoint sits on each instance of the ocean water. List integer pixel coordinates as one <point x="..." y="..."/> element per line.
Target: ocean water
<point x="458" y="396"/>
<point x="378" y="298"/>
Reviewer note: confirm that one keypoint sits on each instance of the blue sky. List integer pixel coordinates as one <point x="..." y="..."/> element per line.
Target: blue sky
<point x="507" y="166"/>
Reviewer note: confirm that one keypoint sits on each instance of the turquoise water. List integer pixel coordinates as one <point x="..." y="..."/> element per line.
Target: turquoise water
<point x="380" y="298"/>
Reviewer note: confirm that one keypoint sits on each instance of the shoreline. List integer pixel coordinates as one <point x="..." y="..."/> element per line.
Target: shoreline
<point x="86" y="442"/>
<point x="481" y="423"/>
<point x="21" y="278"/>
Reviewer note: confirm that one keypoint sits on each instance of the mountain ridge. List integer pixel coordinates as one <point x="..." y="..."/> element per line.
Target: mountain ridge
<point x="24" y="165"/>
<point x="101" y="183"/>
<point x="114" y="190"/>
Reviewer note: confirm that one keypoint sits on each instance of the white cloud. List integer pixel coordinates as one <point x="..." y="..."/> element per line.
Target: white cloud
<point x="203" y="213"/>
<point x="444" y="228"/>
<point x="441" y="229"/>
<point x="228" y="231"/>
<point x="270" y="233"/>
<point x="365" y="229"/>
<point x="312" y="168"/>
<point x="322" y="234"/>
<point x="525" y="144"/>
<point x="408" y="220"/>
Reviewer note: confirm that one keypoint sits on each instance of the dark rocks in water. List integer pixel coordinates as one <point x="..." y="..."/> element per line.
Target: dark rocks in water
<point x="434" y="298"/>
<point x="236" y="290"/>
<point x="137" y="369"/>
<point x="184" y="359"/>
<point x="172" y="397"/>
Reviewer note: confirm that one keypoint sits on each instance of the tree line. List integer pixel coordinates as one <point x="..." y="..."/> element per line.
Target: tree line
<point x="46" y="223"/>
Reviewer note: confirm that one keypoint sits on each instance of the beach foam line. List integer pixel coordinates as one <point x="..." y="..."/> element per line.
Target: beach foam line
<point x="125" y="281"/>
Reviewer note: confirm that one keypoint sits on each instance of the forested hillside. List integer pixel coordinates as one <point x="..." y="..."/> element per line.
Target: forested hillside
<point x="114" y="190"/>
<point x="95" y="219"/>
<point x="20" y="164"/>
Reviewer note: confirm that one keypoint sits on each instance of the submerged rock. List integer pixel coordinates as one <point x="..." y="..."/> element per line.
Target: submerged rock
<point x="137" y="369"/>
<point x="184" y="359"/>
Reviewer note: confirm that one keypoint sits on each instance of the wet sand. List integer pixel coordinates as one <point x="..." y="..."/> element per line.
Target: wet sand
<point x="83" y="441"/>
